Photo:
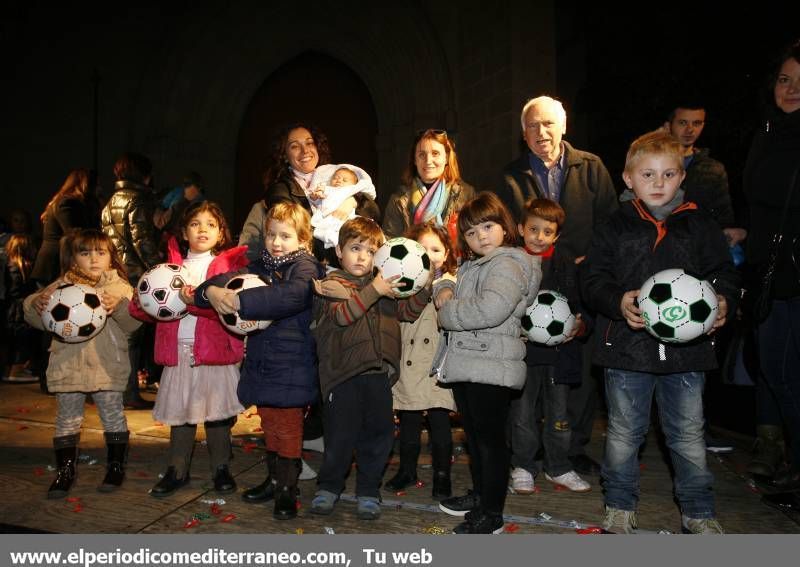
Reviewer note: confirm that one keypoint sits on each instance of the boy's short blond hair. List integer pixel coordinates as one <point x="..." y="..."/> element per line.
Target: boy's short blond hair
<point x="656" y="142"/>
<point x="361" y="229"/>
<point x="295" y="215"/>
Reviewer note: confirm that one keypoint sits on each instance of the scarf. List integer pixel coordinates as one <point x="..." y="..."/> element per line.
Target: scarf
<point x="273" y="264"/>
<point x="303" y="179"/>
<point x="661" y="212"/>
<point x="78" y="276"/>
<point x="429" y="204"/>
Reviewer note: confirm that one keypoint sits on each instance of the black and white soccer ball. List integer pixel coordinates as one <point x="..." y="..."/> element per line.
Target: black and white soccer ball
<point x="232" y="321"/>
<point x="677" y="307"/>
<point x="159" y="291"/>
<point x="548" y="320"/>
<point x="406" y="258"/>
<point x="74" y="313"/>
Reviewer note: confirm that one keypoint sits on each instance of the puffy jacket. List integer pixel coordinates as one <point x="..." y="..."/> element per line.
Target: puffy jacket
<point x="706" y="184"/>
<point x="633" y="246"/>
<point x="127" y="219"/>
<point x="213" y="344"/>
<point x="483" y="342"/>
<point x="101" y="363"/>
<point x="397" y="217"/>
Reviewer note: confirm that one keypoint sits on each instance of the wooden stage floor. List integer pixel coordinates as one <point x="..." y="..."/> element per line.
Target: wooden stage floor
<point x="26" y="429"/>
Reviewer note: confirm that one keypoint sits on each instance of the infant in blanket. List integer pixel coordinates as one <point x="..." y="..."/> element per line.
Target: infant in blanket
<point x="331" y="196"/>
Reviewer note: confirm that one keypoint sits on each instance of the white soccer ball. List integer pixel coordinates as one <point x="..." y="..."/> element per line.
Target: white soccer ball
<point x="677" y="307"/>
<point x="159" y="291"/>
<point x="548" y="320"/>
<point x="406" y="258"/>
<point x="74" y="313"/>
<point x="232" y="321"/>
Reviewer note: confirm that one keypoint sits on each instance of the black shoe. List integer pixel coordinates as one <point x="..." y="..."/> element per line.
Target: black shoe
<point x="169" y="483"/>
<point x="460" y="505"/>
<point x="65" y="474"/>
<point x="442" y="488"/>
<point x="223" y="481"/>
<point x="138" y="404"/>
<point x="400" y="481"/>
<point x="584" y="464"/>
<point x="285" y="503"/>
<point x="264" y="492"/>
<point x="785" y="501"/>
<point x="786" y="480"/>
<point x="480" y="523"/>
<point x="117" y="444"/>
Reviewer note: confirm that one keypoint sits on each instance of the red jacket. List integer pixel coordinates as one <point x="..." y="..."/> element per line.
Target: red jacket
<point x="213" y="344"/>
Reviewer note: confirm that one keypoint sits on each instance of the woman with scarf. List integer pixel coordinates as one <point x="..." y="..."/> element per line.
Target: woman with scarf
<point x="432" y="189"/>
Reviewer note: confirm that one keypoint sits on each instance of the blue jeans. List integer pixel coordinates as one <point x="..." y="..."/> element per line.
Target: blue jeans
<point x="680" y="406"/>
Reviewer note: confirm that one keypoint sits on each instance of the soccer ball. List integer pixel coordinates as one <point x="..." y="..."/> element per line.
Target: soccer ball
<point x="74" y="313"/>
<point x="406" y="258"/>
<point x="159" y="291"/>
<point x="677" y="307"/>
<point x="549" y="319"/>
<point x="232" y="321"/>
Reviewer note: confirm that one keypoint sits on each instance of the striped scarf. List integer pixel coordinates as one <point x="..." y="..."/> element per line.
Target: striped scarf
<point x="429" y="204"/>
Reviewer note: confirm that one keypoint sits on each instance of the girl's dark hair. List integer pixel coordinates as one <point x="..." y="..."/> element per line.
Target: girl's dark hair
<point x="417" y="231"/>
<point x="85" y="239"/>
<point x="278" y="166"/>
<point x="210" y="207"/>
<point x="483" y="208"/>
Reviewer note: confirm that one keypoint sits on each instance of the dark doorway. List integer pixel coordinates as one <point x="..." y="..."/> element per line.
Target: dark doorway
<point x="313" y="88"/>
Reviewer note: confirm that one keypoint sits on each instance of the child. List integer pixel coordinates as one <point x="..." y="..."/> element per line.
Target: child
<point x="332" y="185"/>
<point x="416" y="393"/>
<point x="98" y="366"/>
<point x="279" y="374"/>
<point x="199" y="356"/>
<point x="482" y="354"/>
<point x="552" y="370"/>
<point x="654" y="230"/>
<point x="20" y="253"/>
<point x="359" y="352"/>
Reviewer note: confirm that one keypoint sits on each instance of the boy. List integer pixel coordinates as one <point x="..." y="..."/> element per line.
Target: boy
<point x="358" y="343"/>
<point x="654" y="230"/>
<point x="551" y="369"/>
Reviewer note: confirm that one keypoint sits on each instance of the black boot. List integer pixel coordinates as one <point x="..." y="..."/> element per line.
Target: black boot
<point x="407" y="473"/>
<point x="169" y="483"/>
<point x="441" y="455"/>
<point x="66" y="448"/>
<point x="286" y="491"/>
<point x="117" y="443"/>
<point x="265" y="491"/>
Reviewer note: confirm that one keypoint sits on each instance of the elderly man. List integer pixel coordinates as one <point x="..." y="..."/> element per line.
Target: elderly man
<point x="580" y="183"/>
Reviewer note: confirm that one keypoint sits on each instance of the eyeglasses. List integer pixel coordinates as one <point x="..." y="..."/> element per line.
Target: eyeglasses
<point x="435" y="132"/>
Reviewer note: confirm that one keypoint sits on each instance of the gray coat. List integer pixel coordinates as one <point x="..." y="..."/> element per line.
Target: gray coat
<point x="483" y="340"/>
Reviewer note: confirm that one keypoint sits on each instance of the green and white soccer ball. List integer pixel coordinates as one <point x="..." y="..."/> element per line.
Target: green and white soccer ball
<point x="677" y="307"/>
<point x="548" y="320"/>
<point x="406" y="258"/>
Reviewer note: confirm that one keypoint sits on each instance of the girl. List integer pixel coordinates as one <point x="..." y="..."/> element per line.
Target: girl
<point x="279" y="373"/>
<point x="20" y="253"/>
<point x="483" y="354"/>
<point x="98" y="366"/>
<point x="415" y="392"/>
<point x="199" y="356"/>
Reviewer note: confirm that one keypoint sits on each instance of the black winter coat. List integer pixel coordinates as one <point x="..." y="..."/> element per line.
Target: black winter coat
<point x="706" y="183"/>
<point x="626" y="251"/>
<point x="68" y="214"/>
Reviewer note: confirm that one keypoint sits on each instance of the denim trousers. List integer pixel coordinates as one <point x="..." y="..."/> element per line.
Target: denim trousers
<point x="679" y="397"/>
<point x="554" y="435"/>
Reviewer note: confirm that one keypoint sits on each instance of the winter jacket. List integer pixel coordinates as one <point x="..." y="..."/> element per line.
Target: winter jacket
<point x="773" y="159"/>
<point x="633" y="246"/>
<point x="128" y="220"/>
<point x="213" y="344"/>
<point x="706" y="184"/>
<point x="398" y="215"/>
<point x="17" y="289"/>
<point x="280" y="369"/>
<point x="587" y="196"/>
<point x="101" y="363"/>
<point x="483" y="341"/>
<point x="416" y="389"/>
<point x="358" y="330"/>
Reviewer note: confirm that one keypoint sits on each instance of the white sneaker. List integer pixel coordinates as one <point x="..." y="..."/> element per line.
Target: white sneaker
<point x="307" y="473"/>
<point x="571" y="481"/>
<point x="700" y="526"/>
<point x="317" y="444"/>
<point x="620" y="521"/>
<point x="521" y="482"/>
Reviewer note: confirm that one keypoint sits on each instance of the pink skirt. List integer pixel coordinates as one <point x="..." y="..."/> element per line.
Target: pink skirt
<point x="196" y="394"/>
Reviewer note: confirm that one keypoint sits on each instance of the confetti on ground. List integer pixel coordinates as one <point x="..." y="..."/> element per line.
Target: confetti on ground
<point x="78" y="507"/>
<point x="228" y="518"/>
<point x="191" y="523"/>
<point x="22" y="409"/>
<point x="420" y="484"/>
<point x="51" y="468"/>
<point x="217" y="501"/>
<point x="434" y="530"/>
<point x="545" y="516"/>
<point x="591" y="530"/>
<point x="511" y="528"/>
<point x="559" y="488"/>
<point x="329" y="531"/>
<point x="74" y="499"/>
<point x="21" y="427"/>
<point x="299" y="531"/>
<point x="201" y="516"/>
<point x="87" y="460"/>
<point x="215" y="509"/>
<point x="400" y="493"/>
<point x="38" y="471"/>
<point x="141" y="474"/>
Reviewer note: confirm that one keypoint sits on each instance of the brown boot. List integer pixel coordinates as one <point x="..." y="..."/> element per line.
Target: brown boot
<point x="768" y="451"/>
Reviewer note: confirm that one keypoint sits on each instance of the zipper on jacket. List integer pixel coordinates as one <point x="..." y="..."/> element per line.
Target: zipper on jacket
<point x="114" y="340"/>
<point x="662" y="352"/>
<point x="608" y="333"/>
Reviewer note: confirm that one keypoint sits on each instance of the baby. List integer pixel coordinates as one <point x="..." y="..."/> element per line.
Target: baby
<point x="331" y="196"/>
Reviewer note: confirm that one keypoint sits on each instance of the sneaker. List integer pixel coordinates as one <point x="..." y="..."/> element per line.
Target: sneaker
<point x="460" y="505"/>
<point x="323" y="502"/>
<point x="700" y="526"/>
<point x="307" y="473"/>
<point x="521" y="482"/>
<point x="571" y="481"/>
<point x="317" y="445"/>
<point x="714" y="445"/>
<point x="480" y="523"/>
<point x="620" y="521"/>
<point x="369" y="508"/>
